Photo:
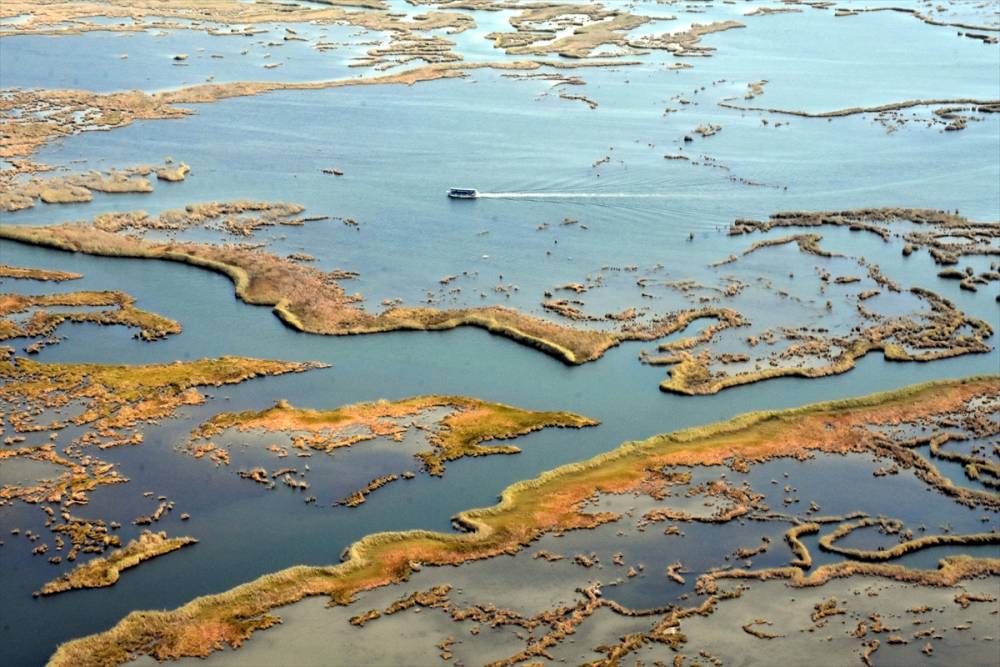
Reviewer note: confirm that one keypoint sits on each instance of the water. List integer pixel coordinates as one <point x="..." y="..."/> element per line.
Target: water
<point x="401" y="148"/>
<point x="572" y="195"/>
<point x="26" y="471"/>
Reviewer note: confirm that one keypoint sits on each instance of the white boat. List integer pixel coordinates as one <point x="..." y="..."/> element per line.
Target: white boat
<point x="463" y="193"/>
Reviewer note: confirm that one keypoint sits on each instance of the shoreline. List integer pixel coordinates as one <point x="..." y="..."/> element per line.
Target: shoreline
<point x="526" y="510"/>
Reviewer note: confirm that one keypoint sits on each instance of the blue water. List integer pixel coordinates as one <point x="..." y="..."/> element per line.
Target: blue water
<point x="110" y="61"/>
<point x="400" y="148"/>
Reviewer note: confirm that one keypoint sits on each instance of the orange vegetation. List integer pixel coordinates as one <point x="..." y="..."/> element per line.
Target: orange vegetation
<point x="552" y="502"/>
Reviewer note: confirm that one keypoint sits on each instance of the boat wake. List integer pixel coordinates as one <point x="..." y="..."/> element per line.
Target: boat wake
<point x="572" y="195"/>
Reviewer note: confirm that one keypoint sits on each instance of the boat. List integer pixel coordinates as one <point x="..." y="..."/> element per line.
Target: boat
<point x="463" y="193"/>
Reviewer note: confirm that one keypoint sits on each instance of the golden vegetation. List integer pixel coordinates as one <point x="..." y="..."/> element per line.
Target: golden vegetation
<point x="470" y="423"/>
<point x="173" y="174"/>
<point x="78" y="188"/>
<point x="241" y="218"/>
<point x="923" y="228"/>
<point x="105" y="571"/>
<point x="939" y="333"/>
<point x="552" y="502"/>
<point x="22" y="273"/>
<point x="313" y="301"/>
<point x="916" y="13"/>
<point x="32" y="118"/>
<point x="119" y="396"/>
<point x="310" y="300"/>
<point x="43" y="322"/>
<point x="70" y="487"/>
<point x="17" y="193"/>
<point x="535" y="30"/>
<point x="808" y="243"/>
<point x="802" y="558"/>
<point x="951" y="570"/>
<point x="685" y="42"/>
<point x="116" y="400"/>
<point x="881" y="108"/>
<point x="827" y="542"/>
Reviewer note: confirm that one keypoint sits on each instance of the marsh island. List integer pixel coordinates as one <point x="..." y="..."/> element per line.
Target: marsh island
<point x="499" y="332"/>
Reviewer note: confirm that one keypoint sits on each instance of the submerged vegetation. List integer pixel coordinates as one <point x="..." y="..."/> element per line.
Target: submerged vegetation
<point x="947" y="237"/>
<point x="864" y="529"/>
<point x="23" y="273"/>
<point x="455" y="427"/>
<point x="42" y="322"/>
<point x="310" y="300"/>
<point x="826" y="542"/>
<point x="118" y="397"/>
<point x="462" y="432"/>
<point x="105" y="406"/>
<point x="104" y="571"/>
<point x="553" y="502"/>
<point x="313" y="301"/>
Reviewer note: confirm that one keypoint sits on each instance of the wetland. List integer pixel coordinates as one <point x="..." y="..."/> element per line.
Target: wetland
<point x="714" y="351"/>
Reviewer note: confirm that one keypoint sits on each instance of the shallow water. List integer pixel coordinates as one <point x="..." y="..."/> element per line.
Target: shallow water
<point x="26" y="471"/>
<point x="400" y="148"/>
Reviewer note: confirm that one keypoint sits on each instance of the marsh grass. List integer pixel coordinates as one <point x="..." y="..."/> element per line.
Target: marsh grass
<point x="549" y="502"/>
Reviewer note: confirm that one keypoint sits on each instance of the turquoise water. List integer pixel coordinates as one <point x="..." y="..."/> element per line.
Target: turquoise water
<point x="400" y="148"/>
